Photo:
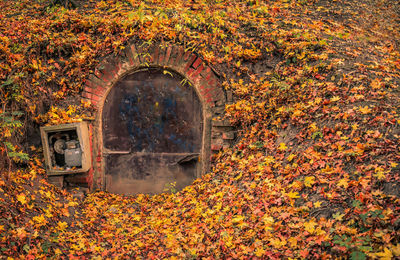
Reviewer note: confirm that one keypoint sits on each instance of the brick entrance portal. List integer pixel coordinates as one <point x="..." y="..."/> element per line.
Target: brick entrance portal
<point x="157" y="121"/>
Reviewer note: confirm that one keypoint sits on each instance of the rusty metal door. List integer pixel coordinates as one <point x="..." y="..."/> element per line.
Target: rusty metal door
<point x="152" y="133"/>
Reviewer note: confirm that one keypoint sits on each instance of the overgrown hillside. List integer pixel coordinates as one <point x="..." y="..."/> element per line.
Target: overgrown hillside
<point x="314" y="174"/>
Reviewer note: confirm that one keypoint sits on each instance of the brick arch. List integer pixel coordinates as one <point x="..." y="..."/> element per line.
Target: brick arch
<point x="188" y="64"/>
<point x="217" y="133"/>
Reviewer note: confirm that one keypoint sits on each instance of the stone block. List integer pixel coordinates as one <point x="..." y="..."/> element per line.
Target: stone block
<point x="221" y="123"/>
<point x="228" y="135"/>
<point x="216" y="147"/>
<point x="57" y="181"/>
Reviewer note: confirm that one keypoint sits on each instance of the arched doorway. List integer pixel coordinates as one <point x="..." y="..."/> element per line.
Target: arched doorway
<point x="152" y="125"/>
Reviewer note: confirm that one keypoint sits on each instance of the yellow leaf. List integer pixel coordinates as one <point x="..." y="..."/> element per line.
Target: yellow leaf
<point x="21" y="198"/>
<point x="309" y="181"/>
<point x="385" y="255"/>
<point x="268" y="220"/>
<point x="335" y="98"/>
<point x="259" y="252"/>
<point x="62" y="225"/>
<point x="268" y="160"/>
<point x="291" y="157"/>
<point x="365" y="110"/>
<point x="57" y="251"/>
<point x="343" y="183"/>
<point x="310" y="226"/>
<point x="293" y="195"/>
<point x="282" y="146"/>
<point x="297" y="113"/>
<point x="376" y="84"/>
<point x="238" y="219"/>
<point x="396" y="250"/>
<point x="317" y="204"/>
<point x="277" y="243"/>
<point x="338" y="216"/>
<point x="379" y="173"/>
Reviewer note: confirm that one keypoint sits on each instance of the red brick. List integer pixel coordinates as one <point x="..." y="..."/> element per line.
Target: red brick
<point x="197" y="62"/>
<point x="133" y="56"/>
<point x="216" y="147"/>
<point x="167" y="55"/>
<point x="212" y="82"/>
<point x="189" y="72"/>
<point x="91" y="96"/>
<point x="207" y="74"/>
<point x="198" y="71"/>
<point x="135" y="53"/>
<point x="228" y="136"/>
<point x="77" y="179"/>
<point x="189" y="63"/>
<point x="110" y="72"/>
<point x="179" y="55"/>
<point x="154" y="55"/>
<point x="97" y="90"/>
<point x="206" y="89"/>
<point x="187" y="55"/>
<point x="161" y="56"/>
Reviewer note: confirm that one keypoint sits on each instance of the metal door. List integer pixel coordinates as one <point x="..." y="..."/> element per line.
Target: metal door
<point x="152" y="133"/>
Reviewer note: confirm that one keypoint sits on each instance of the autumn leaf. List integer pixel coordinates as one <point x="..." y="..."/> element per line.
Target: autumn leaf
<point x="259" y="252"/>
<point x="386" y="254"/>
<point x="365" y="110"/>
<point x="310" y="226"/>
<point x="343" y="183"/>
<point x="21" y="198"/>
<point x="282" y="147"/>
<point x="309" y="181"/>
<point x="293" y="195"/>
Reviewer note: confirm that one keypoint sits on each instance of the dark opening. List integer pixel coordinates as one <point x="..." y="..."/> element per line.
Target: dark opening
<point x="152" y="132"/>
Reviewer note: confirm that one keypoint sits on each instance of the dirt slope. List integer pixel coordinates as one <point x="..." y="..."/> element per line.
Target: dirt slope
<point x="315" y="172"/>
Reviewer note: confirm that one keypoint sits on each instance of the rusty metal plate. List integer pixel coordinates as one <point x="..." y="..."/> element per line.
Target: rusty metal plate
<point x="152" y="132"/>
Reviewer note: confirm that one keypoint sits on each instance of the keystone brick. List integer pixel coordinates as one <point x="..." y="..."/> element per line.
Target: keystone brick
<point x="189" y="63"/>
<point x="197" y="62"/>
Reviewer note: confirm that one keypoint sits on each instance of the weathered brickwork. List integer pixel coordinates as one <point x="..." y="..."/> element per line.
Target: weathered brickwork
<point x="217" y="134"/>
